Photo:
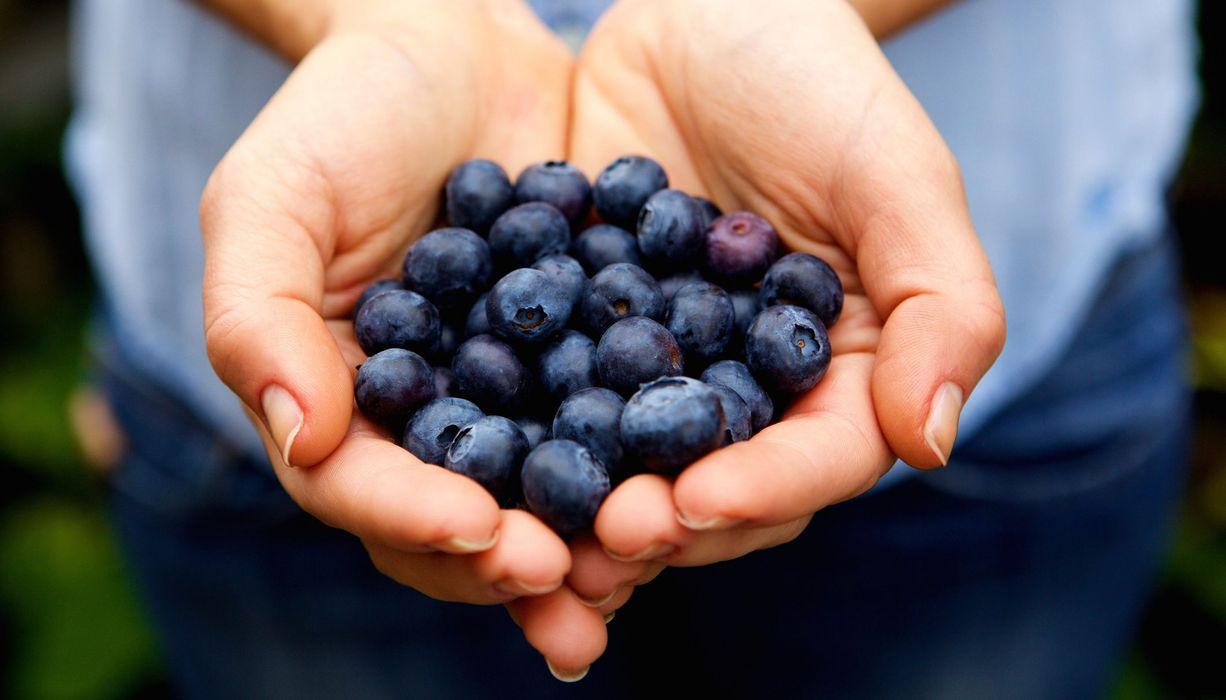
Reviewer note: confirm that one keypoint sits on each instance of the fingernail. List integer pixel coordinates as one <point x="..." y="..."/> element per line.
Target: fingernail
<point x="283" y="418"/>
<point x="941" y="428"/>
<point x="455" y="545"/>
<point x="519" y="588"/>
<point x="567" y="677"/>
<point x="609" y="618"/>
<point x="597" y="603"/>
<point x="716" y="523"/>
<point x="654" y="551"/>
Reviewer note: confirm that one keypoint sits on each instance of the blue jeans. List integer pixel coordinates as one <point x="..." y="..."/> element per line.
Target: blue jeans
<point x="1017" y="572"/>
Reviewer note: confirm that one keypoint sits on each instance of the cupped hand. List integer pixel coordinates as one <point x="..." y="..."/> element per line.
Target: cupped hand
<point x="321" y="196"/>
<point x="789" y="108"/>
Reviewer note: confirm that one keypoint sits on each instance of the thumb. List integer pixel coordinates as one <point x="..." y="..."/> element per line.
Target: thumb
<point x="263" y="292"/>
<point x="315" y="199"/>
<point x="926" y="274"/>
<point x="936" y="345"/>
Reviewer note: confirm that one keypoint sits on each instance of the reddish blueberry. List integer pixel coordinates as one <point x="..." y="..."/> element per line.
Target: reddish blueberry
<point x="741" y="247"/>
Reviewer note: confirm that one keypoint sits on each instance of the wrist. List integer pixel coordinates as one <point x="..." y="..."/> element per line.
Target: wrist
<point x="886" y="17"/>
<point x="293" y="27"/>
<point x="289" y="27"/>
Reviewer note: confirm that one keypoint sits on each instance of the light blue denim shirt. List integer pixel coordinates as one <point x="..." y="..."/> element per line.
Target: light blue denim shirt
<point x="1068" y="118"/>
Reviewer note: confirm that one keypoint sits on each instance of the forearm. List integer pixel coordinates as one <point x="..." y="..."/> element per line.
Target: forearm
<point x="885" y="17"/>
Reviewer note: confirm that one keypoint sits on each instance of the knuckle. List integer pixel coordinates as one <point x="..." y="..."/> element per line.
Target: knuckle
<point x="222" y="337"/>
<point x="381" y="563"/>
<point x="988" y="324"/>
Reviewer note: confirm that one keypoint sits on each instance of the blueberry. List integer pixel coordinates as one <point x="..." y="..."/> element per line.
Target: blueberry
<point x="701" y="318"/>
<point x="804" y="280"/>
<point x="527" y="306"/>
<point x="477" y="193"/>
<point x="556" y="183"/>
<point x="670" y="230"/>
<point x="567" y="272"/>
<point x="449" y="338"/>
<point x="490" y="451"/>
<point x="444" y="382"/>
<point x="450" y="267"/>
<point x="397" y="319"/>
<point x="374" y="289"/>
<point x="528" y="233"/>
<point x="737" y="418"/>
<point x="672" y="422"/>
<point x="567" y="365"/>
<point x="635" y="351"/>
<point x="736" y="376"/>
<point x="488" y="372"/>
<point x="741" y="247"/>
<point x="745" y="308"/>
<point x="622" y="189"/>
<point x="620" y="291"/>
<point x="564" y="485"/>
<point x="603" y="245"/>
<point x="592" y="417"/>
<point x="536" y="430"/>
<point x="710" y="212"/>
<point x="391" y="385"/>
<point x="435" y="425"/>
<point x="669" y="285"/>
<point x="787" y="349"/>
<point x="478" y="323"/>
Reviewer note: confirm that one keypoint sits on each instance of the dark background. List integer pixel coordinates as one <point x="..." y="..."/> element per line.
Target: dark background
<point x="69" y="626"/>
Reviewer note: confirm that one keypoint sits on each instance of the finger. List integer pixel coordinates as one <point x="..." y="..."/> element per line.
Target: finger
<point x="298" y="213"/>
<point x="921" y="264"/>
<point x="570" y="635"/>
<point x="597" y="578"/>
<point x="617" y="602"/>
<point x="347" y="342"/>
<point x="639" y="521"/>
<point x="383" y="494"/>
<point x="528" y="559"/>
<point x="618" y="109"/>
<point x="826" y="449"/>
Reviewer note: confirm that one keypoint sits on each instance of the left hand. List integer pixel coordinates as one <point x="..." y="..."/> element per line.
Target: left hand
<point x="789" y="108"/>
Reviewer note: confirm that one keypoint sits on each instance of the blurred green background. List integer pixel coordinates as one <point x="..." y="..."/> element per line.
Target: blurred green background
<point x="69" y="623"/>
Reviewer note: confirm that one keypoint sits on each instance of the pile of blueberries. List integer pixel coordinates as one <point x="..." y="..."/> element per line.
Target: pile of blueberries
<point x="550" y="366"/>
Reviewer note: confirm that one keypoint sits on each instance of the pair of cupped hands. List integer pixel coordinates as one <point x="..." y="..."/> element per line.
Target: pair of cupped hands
<point x="787" y="108"/>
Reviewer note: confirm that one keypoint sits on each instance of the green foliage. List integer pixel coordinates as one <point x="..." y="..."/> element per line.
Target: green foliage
<point x="1136" y="682"/>
<point x="36" y="378"/>
<point x="1209" y="340"/>
<point x="79" y="632"/>
<point x="72" y="623"/>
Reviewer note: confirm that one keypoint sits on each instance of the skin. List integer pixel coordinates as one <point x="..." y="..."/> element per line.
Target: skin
<point x="323" y="194"/>
<point x="786" y="108"/>
<point x="789" y="109"/>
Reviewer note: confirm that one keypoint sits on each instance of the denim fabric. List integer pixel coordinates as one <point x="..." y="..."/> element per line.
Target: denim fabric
<point x="1017" y="572"/>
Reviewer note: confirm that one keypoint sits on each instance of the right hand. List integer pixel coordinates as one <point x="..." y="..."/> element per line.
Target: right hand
<point x="322" y="195"/>
<point x="790" y="109"/>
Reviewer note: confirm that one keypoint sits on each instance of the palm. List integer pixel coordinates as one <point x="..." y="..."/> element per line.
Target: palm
<point x="360" y="153"/>
<point x="322" y="195"/>
<point x="788" y="109"/>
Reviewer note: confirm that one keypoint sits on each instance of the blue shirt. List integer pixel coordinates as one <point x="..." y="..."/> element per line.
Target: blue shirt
<point x="1067" y="117"/>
